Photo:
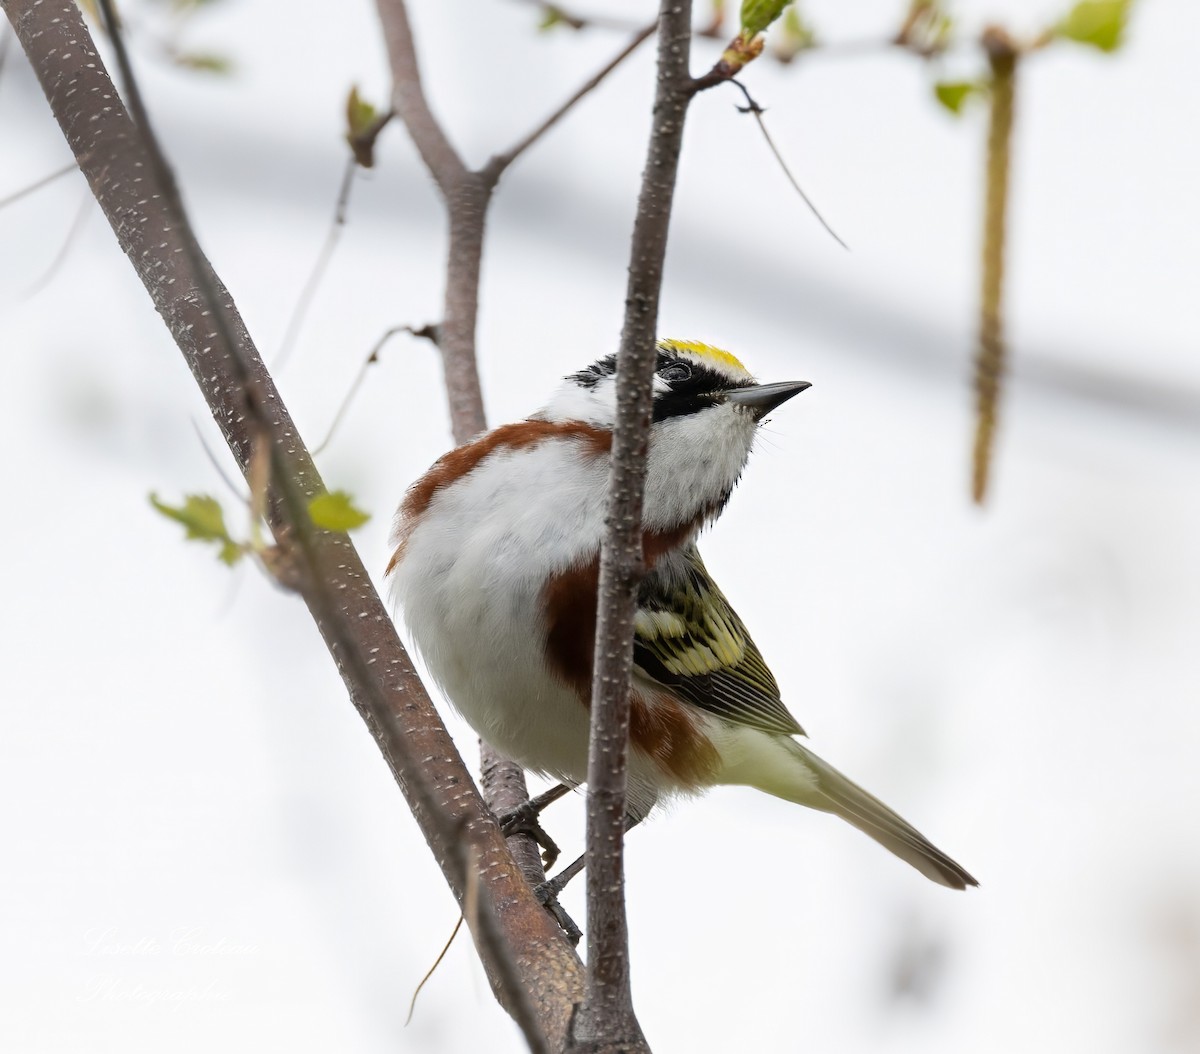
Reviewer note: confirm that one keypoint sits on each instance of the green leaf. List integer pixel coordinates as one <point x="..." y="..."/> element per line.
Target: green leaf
<point x="1096" y="23"/>
<point x="553" y="15"/>
<point x="360" y="115"/>
<point x="758" y="14"/>
<point x="336" y="512"/>
<point x="363" y="125"/>
<point x="203" y="521"/>
<point x="205" y="63"/>
<point x="954" y="94"/>
<point x="199" y="513"/>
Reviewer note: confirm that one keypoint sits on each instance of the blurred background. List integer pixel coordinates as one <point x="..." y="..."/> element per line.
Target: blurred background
<point x="202" y="844"/>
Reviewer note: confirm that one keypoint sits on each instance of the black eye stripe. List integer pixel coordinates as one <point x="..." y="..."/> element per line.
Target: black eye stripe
<point x="679" y="404"/>
<point x="698" y="389"/>
<point x="692" y="386"/>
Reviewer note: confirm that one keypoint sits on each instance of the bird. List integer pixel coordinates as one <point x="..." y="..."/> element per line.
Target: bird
<point x="495" y="555"/>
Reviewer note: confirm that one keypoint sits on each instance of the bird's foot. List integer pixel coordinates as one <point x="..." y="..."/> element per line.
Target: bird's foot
<point x="548" y="898"/>
<point x="547" y="895"/>
<point x="524" y="820"/>
<point x="554" y="886"/>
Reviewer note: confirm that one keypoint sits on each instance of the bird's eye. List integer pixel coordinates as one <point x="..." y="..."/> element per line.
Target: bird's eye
<point x="677" y="371"/>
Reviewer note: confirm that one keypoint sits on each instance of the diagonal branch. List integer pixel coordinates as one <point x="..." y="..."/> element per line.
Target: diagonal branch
<point x="408" y="98"/>
<point x="501" y="161"/>
<point x="532" y="957"/>
<point x="756" y="112"/>
<point x="37" y="184"/>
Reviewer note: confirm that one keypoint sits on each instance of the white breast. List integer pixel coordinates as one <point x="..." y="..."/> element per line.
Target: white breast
<point x="693" y="460"/>
<point x="470" y="585"/>
<point x="477" y="559"/>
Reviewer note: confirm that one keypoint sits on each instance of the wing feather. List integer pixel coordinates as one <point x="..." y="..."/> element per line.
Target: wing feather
<point x="688" y="638"/>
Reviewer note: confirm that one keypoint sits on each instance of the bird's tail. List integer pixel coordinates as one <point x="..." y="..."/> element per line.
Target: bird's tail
<point x="832" y="792"/>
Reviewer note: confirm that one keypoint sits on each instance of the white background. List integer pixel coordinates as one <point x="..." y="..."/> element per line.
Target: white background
<point x="201" y="845"/>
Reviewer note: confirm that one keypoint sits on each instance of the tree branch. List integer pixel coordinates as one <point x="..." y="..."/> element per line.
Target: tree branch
<point x="37" y="184"/>
<point x="378" y="673"/>
<point x="466" y="194"/>
<point x="408" y="98"/>
<point x="501" y="161"/>
<point x="606" y="1021"/>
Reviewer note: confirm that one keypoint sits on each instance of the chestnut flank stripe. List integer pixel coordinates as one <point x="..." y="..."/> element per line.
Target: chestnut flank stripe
<point x="662" y="727"/>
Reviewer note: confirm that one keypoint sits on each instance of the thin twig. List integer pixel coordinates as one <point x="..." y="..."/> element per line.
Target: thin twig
<point x="234" y="489"/>
<point x="73" y="232"/>
<point x="756" y="112"/>
<point x="577" y="21"/>
<point x="308" y="291"/>
<point x="427" y="332"/>
<point x="37" y="185"/>
<point x="412" y="1005"/>
<point x="502" y="161"/>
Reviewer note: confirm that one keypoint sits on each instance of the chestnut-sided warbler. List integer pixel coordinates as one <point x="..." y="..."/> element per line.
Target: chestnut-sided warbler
<point x="495" y="562"/>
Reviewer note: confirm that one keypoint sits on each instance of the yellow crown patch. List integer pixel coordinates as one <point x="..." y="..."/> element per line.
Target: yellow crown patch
<point x="706" y="353"/>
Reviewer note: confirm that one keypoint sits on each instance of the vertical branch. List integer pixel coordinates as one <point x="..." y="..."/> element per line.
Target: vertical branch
<point x="467" y="194"/>
<point x="467" y="202"/>
<point x="990" y="358"/>
<point x="606" y="1021"/>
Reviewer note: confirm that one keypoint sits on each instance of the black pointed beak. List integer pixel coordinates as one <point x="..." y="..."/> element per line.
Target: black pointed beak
<point x="761" y="399"/>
